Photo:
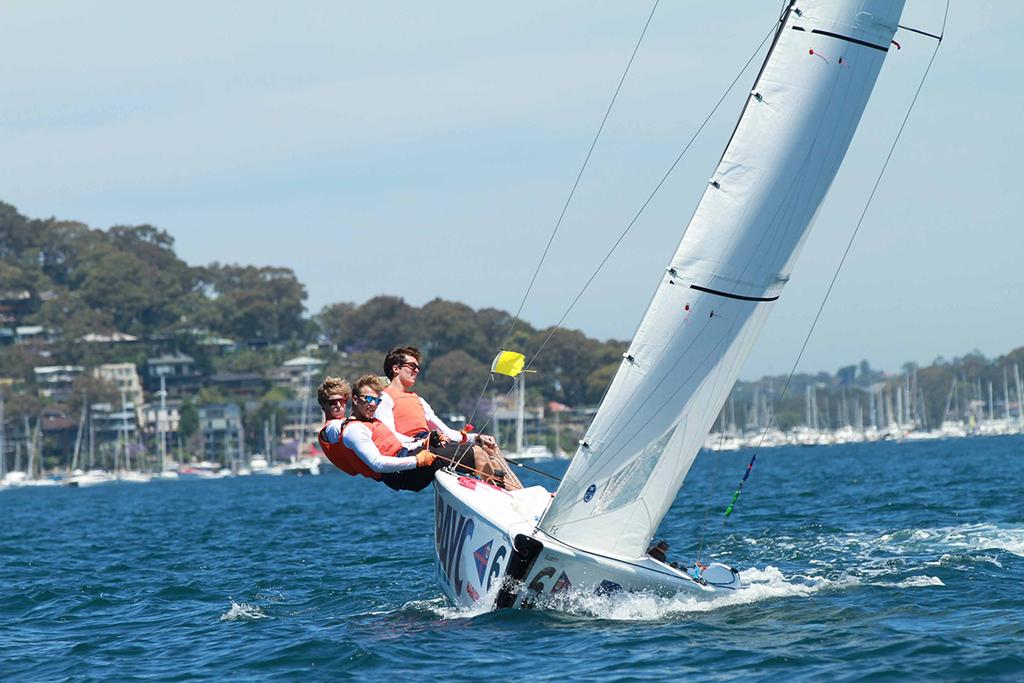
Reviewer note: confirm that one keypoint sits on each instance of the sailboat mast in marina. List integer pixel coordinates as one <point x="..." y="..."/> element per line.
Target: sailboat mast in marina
<point x="731" y="266"/>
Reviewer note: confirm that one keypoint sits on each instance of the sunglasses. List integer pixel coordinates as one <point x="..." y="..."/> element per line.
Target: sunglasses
<point x="415" y="367"/>
<point x="372" y="400"/>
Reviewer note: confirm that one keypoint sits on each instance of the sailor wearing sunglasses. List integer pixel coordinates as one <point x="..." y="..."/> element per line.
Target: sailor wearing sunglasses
<point x="363" y="445"/>
<point x="409" y="415"/>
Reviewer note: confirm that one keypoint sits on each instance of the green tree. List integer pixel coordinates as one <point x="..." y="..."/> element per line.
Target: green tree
<point x="454" y="382"/>
<point x="379" y="324"/>
<point x="188" y="421"/>
<point x="257" y="302"/>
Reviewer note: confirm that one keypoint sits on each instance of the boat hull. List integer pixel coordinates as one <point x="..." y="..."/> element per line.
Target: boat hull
<point x="490" y="555"/>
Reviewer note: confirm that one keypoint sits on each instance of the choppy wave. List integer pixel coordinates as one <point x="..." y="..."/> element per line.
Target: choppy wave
<point x="241" y="611"/>
<point x="919" y="582"/>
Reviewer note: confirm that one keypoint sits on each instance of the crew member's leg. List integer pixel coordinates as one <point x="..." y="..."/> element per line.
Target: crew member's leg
<point x="496" y="461"/>
<point x="412" y="480"/>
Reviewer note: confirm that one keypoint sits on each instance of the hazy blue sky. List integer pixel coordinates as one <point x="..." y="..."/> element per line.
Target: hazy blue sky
<point x="425" y="150"/>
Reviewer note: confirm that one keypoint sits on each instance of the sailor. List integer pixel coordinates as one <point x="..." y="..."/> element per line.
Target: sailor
<point x="362" y="445"/>
<point x="409" y="415"/>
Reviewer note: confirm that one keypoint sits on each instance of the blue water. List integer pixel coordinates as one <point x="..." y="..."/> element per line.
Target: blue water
<point x="866" y="562"/>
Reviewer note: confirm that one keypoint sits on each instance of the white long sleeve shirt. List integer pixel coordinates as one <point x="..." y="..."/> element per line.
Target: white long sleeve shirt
<point x="386" y="414"/>
<point x="357" y="436"/>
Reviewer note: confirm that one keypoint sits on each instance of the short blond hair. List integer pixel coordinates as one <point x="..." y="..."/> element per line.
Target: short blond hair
<point x="331" y="386"/>
<point x="375" y="382"/>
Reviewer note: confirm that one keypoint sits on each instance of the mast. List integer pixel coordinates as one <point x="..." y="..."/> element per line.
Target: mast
<point x="949" y="400"/>
<point x="1020" y="394"/>
<point x="92" y="439"/>
<point x="3" y="438"/>
<point x="124" y="430"/>
<point x="161" y="427"/>
<point x="30" y="446"/>
<point x="521" y="407"/>
<point x="300" y="448"/>
<point x="733" y="262"/>
<point x="1006" y="395"/>
<point x="272" y="447"/>
<point x="78" y="435"/>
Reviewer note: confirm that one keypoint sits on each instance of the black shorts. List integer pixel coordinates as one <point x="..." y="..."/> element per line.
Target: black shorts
<point x="420" y="478"/>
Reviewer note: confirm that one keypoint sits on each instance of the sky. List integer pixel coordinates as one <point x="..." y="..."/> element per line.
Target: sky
<point x="425" y="150"/>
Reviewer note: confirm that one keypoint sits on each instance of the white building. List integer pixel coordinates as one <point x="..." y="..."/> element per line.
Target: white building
<point x="125" y="377"/>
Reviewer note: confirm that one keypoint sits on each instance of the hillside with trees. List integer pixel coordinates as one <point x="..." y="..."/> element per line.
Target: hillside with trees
<point x="70" y="282"/>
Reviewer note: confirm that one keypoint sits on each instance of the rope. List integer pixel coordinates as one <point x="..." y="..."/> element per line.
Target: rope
<point x="461" y="466"/>
<point x="565" y="207"/>
<point x="842" y="261"/>
<point x="579" y="176"/>
<point x="711" y="488"/>
<point x="533" y="469"/>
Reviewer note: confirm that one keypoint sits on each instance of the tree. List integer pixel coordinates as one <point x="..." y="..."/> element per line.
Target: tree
<point x="454" y="382"/>
<point x="256" y="302"/>
<point x="87" y="387"/>
<point x="188" y="421"/>
<point x="334" y="321"/>
<point x="269" y="413"/>
<point x="380" y="324"/>
<point x="447" y="326"/>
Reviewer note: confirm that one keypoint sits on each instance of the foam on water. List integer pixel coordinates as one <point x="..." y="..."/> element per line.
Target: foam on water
<point x="242" y="612"/>
<point x="758" y="585"/>
<point x="918" y="582"/>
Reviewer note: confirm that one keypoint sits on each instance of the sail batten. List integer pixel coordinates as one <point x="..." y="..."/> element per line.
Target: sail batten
<point x="732" y="263"/>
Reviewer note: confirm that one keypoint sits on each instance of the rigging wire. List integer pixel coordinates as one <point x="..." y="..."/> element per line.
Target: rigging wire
<point x="650" y="197"/>
<point x="579" y="176"/>
<point x="842" y="261"/>
<point x="568" y="200"/>
<point x="711" y="488"/>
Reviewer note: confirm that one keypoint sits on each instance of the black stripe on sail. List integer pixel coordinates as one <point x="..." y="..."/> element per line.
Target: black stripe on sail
<point x="842" y="37"/>
<point x="729" y="295"/>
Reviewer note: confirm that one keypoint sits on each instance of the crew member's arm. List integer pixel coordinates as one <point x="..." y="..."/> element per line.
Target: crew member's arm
<point x="437" y="424"/>
<point x="332" y="431"/>
<point x="357" y="437"/>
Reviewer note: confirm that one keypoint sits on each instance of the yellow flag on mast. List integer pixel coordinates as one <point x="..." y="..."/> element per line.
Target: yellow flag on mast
<point x="508" y="363"/>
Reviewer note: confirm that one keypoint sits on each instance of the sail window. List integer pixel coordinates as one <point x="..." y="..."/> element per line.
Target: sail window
<point x="625" y="485"/>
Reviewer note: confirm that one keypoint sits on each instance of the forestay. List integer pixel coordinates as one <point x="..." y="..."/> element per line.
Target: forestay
<point x="731" y="265"/>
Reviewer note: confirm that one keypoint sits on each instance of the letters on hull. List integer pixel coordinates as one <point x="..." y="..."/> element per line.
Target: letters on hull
<point x="489" y="554"/>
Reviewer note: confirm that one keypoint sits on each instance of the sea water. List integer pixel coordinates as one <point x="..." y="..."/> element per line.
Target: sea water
<point x="861" y="562"/>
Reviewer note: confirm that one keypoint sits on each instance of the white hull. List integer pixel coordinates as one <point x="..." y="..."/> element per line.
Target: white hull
<point x="91" y="478"/>
<point x="490" y="555"/>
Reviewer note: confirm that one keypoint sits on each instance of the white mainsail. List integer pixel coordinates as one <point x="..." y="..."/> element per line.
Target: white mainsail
<point x="731" y="265"/>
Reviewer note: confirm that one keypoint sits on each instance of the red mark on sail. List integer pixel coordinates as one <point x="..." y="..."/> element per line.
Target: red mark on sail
<point x="818" y="55"/>
<point x="687" y="309"/>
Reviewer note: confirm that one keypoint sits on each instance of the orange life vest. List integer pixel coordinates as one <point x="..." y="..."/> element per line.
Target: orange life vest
<point x="347" y="460"/>
<point x="410" y="419"/>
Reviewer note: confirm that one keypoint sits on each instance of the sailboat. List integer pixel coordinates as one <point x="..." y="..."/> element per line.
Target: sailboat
<point x="522" y="451"/>
<point x="498" y="548"/>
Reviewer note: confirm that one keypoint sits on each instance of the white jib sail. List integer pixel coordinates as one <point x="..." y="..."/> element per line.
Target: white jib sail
<point x="732" y="263"/>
